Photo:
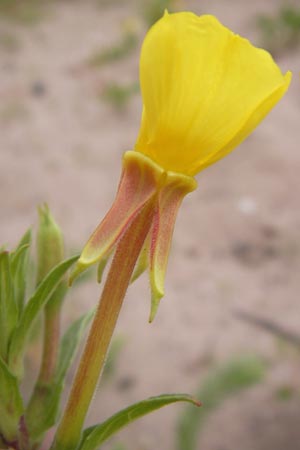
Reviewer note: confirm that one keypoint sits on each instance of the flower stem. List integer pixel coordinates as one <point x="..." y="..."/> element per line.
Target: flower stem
<point x="37" y="408"/>
<point x="93" y="358"/>
<point x="51" y="343"/>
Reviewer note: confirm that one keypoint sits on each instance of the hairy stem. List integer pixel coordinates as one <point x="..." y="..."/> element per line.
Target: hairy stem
<point x="51" y="344"/>
<point x="93" y="358"/>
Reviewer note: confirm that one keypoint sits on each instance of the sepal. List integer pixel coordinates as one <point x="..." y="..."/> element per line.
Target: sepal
<point x="101" y="267"/>
<point x="140" y="180"/>
<point x="175" y="188"/>
<point x="143" y="260"/>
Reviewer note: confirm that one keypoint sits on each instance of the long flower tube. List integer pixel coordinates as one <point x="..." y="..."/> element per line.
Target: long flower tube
<point x="204" y="90"/>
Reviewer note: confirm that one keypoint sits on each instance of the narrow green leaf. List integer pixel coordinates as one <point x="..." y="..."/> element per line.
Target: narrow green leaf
<point x="25" y="239"/>
<point x="70" y="343"/>
<point x="42" y="410"/>
<point x="31" y="311"/>
<point x="115" y="349"/>
<point x="20" y="263"/>
<point x="16" y="256"/>
<point x="19" y="268"/>
<point x="11" y="404"/>
<point x="94" y="436"/>
<point x="227" y="380"/>
<point x="8" y="308"/>
<point x="42" y="413"/>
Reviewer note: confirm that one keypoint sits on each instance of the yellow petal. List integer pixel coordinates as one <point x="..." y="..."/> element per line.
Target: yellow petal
<point x="204" y="90"/>
<point x="252" y="121"/>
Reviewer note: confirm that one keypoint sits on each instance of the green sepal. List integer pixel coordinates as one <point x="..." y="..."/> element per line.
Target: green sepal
<point x="94" y="436"/>
<point x="31" y="311"/>
<point x="11" y="404"/>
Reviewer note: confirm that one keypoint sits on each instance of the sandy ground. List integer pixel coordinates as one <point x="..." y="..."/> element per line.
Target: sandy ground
<point x="236" y="243"/>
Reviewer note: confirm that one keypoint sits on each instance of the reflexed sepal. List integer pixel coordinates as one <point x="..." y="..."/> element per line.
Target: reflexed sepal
<point x="101" y="267"/>
<point x="140" y="180"/>
<point x="175" y="188"/>
<point x="143" y="261"/>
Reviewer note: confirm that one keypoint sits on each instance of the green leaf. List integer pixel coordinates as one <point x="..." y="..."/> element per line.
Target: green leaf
<point x="70" y="343"/>
<point x="94" y="436"/>
<point x="227" y="380"/>
<point x="115" y="349"/>
<point x="19" y="263"/>
<point x="25" y="239"/>
<point x="16" y="257"/>
<point x="11" y="404"/>
<point x="31" y="311"/>
<point x="19" y="268"/>
<point x="43" y="408"/>
<point x="8" y="308"/>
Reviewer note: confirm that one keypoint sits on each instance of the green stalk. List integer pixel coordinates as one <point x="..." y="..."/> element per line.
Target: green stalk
<point x="50" y="252"/>
<point x="50" y="249"/>
<point x="93" y="358"/>
<point x="35" y="411"/>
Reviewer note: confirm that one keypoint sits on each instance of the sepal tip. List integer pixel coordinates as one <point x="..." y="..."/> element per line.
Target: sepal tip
<point x="155" y="302"/>
<point x="101" y="267"/>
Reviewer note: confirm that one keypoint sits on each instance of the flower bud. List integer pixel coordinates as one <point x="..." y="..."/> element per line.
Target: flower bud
<point x="50" y="246"/>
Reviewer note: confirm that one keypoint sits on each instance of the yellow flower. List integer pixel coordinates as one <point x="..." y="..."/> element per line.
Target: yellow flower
<point x="204" y="90"/>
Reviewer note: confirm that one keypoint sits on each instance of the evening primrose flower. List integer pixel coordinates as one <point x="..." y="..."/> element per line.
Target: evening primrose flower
<point x="204" y="90"/>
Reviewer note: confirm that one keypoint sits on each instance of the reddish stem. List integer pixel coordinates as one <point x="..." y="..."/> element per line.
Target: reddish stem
<point x="93" y="358"/>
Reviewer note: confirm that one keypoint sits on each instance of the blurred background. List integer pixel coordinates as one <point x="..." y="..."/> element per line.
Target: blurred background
<point x="69" y="107"/>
